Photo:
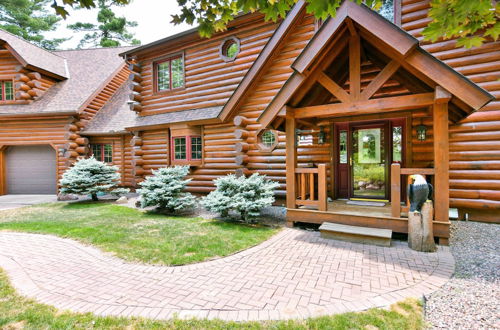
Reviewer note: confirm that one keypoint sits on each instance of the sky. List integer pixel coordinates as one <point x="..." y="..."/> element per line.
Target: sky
<point x="153" y="18"/>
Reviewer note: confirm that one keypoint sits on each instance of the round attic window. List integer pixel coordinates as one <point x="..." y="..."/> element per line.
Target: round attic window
<point x="229" y="49"/>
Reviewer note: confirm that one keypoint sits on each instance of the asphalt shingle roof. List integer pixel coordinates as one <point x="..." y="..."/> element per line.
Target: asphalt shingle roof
<point x="178" y="117"/>
<point x="36" y="56"/>
<point x="88" y="70"/>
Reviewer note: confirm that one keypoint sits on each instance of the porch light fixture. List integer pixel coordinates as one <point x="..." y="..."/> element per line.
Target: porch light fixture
<point x="321" y="136"/>
<point x="421" y="132"/>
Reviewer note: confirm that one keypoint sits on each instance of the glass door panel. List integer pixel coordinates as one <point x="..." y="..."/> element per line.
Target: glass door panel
<point x="369" y="163"/>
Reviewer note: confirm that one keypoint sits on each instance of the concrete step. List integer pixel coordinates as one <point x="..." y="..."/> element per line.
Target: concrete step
<point x="356" y="234"/>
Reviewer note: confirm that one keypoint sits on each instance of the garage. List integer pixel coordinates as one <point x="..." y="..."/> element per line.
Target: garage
<point x="30" y="169"/>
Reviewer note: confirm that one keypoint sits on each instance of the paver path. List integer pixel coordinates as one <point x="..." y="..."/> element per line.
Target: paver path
<point x="294" y="274"/>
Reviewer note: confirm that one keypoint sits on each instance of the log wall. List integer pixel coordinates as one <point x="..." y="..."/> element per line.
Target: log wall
<point x="122" y="155"/>
<point x="209" y="80"/>
<point x="475" y="141"/>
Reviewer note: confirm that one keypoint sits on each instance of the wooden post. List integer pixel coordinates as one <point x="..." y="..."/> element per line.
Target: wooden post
<point x="396" y="190"/>
<point x="291" y="159"/>
<point x="322" y="188"/>
<point x="420" y="231"/>
<point x="441" y="154"/>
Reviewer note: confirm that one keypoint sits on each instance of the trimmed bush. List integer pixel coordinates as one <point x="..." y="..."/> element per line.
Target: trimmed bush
<point x="165" y="190"/>
<point x="247" y="196"/>
<point x="91" y="177"/>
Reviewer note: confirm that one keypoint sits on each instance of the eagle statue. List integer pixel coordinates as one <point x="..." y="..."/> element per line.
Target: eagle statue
<point x="419" y="192"/>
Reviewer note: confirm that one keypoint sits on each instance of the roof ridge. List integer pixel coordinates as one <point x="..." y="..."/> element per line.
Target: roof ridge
<point x="94" y="48"/>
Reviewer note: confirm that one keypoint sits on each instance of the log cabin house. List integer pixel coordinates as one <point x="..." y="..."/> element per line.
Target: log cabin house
<point x="339" y="112"/>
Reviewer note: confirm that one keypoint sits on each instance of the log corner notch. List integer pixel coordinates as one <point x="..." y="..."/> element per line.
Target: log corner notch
<point x="77" y="146"/>
<point x="441" y="154"/>
<point x="241" y="148"/>
<point x="138" y="170"/>
<point x="27" y="84"/>
<point x="135" y="86"/>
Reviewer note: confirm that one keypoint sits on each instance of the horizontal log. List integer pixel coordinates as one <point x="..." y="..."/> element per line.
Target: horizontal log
<point x="136" y="141"/>
<point x="20" y="69"/>
<point x="241" y="121"/>
<point x="241" y="159"/>
<point x="34" y="84"/>
<point x="22" y="86"/>
<point x="82" y="150"/>
<point x="240" y="134"/>
<point x="134" y="67"/>
<point x="476" y="175"/>
<point x="22" y="77"/>
<point x="22" y="95"/>
<point x="475" y="165"/>
<point x="71" y="127"/>
<point x="136" y="87"/>
<point x="35" y="93"/>
<point x="475" y="184"/>
<point x="70" y="145"/>
<point x="241" y="147"/>
<point x="135" y="107"/>
<point x="135" y="77"/>
<point x="475" y="203"/>
<point x="34" y="75"/>
<point x="71" y="154"/>
<point x="83" y="141"/>
<point x="475" y="194"/>
<point x="134" y="96"/>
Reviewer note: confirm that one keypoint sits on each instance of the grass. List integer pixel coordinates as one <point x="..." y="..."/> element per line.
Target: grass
<point x="17" y="312"/>
<point x="137" y="236"/>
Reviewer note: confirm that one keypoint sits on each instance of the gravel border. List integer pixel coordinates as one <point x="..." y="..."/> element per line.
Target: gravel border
<point x="471" y="299"/>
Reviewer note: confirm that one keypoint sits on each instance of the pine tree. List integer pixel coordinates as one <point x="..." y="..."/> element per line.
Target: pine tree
<point x="165" y="189"/>
<point x="29" y="19"/>
<point x="91" y="177"/>
<point x="111" y="31"/>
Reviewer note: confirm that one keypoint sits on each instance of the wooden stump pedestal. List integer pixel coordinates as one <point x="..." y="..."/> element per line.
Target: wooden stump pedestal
<point x="420" y="232"/>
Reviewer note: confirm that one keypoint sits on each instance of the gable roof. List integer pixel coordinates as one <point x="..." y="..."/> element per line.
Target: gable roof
<point x="397" y="44"/>
<point x="34" y="57"/>
<point x="88" y="69"/>
<point x="264" y="57"/>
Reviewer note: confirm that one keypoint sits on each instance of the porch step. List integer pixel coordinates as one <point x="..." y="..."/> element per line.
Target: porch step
<point x="356" y="234"/>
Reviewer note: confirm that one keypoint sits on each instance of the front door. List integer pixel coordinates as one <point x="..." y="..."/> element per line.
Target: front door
<point x="369" y="162"/>
<point x="364" y="152"/>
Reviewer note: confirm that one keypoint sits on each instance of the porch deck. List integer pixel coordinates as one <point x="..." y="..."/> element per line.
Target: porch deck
<point x="340" y="212"/>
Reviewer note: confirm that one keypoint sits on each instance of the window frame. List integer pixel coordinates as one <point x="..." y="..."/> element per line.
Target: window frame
<point x="262" y="146"/>
<point x="169" y="58"/>
<point x="223" y="47"/>
<point x="189" y="160"/>
<point x="102" y="146"/>
<point x="3" y="90"/>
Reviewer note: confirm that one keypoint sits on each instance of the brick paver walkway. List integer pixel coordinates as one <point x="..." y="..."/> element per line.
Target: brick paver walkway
<point x="295" y="274"/>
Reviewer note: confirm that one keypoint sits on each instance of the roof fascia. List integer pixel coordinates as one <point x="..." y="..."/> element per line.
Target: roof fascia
<point x="166" y="125"/>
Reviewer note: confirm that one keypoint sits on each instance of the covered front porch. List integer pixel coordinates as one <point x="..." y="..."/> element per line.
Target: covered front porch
<point x="363" y="89"/>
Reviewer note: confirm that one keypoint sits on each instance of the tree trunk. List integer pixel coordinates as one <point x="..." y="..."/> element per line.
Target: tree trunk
<point x="94" y="197"/>
<point x="420" y="231"/>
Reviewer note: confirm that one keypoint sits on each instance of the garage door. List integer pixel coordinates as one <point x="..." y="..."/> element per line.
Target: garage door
<point x="31" y="170"/>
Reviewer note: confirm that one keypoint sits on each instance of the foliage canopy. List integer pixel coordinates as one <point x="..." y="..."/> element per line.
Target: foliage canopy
<point x="468" y="20"/>
<point x="30" y="19"/>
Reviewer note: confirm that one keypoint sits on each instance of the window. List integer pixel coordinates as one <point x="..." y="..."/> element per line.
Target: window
<point x="343" y="147"/>
<point x="187" y="148"/>
<point x="267" y="140"/>
<point x="7" y="91"/>
<point x="397" y="144"/>
<point x="230" y="49"/>
<point x="102" y="152"/>
<point x="170" y="74"/>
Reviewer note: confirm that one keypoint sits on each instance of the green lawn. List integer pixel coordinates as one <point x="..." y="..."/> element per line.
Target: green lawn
<point x="137" y="236"/>
<point x="17" y="312"/>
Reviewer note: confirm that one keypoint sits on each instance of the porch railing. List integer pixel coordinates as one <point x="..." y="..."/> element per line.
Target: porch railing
<point x="311" y="187"/>
<point x="396" y="173"/>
